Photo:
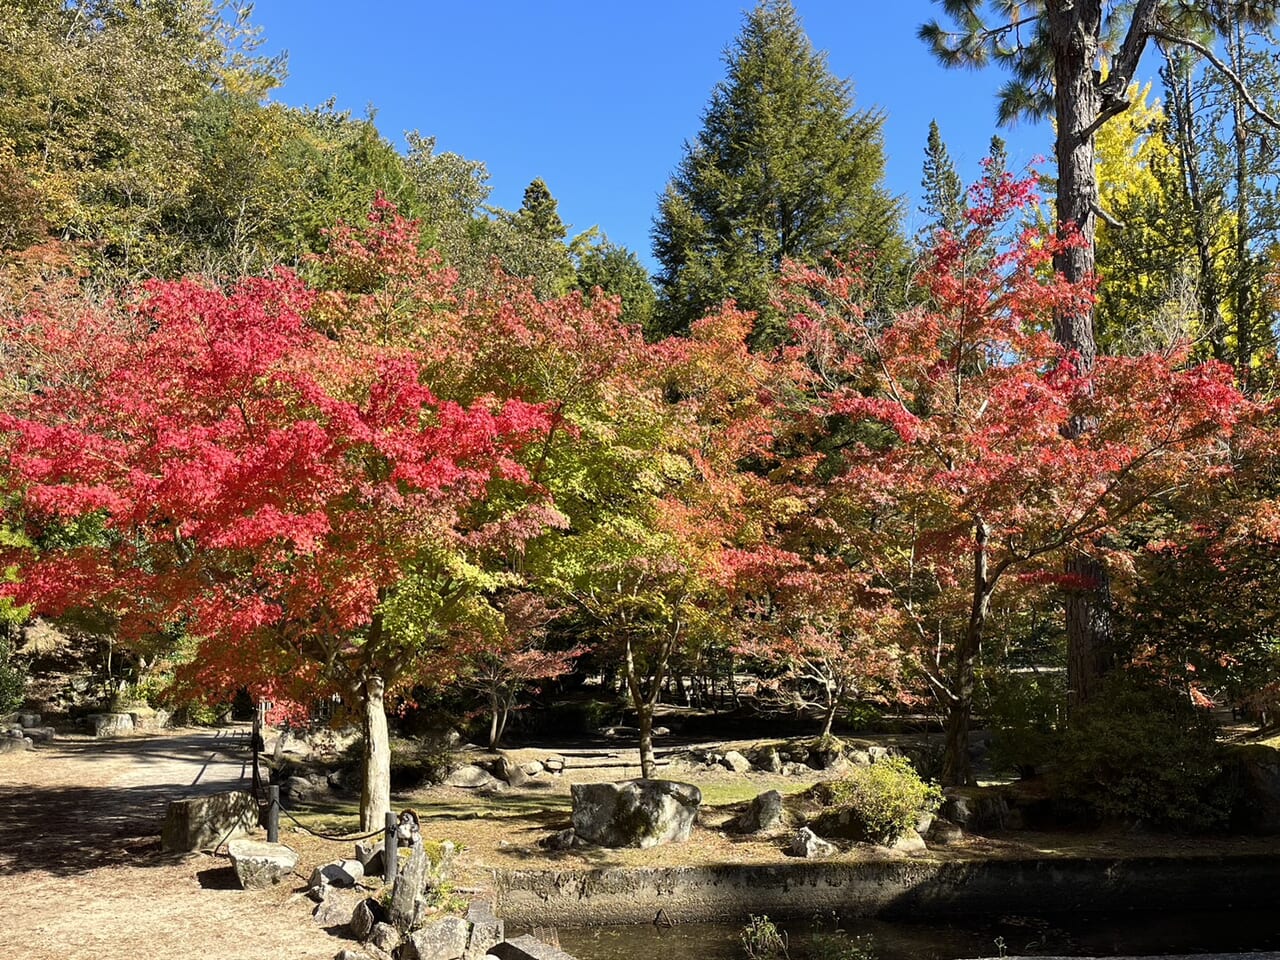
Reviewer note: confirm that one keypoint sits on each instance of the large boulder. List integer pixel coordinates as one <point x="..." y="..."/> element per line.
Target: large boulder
<point x="336" y="909"/>
<point x="735" y="761"/>
<point x="974" y="809"/>
<point x="767" y="759"/>
<point x="634" y="813"/>
<point x="486" y="930"/>
<point x="197" y="823"/>
<point x="408" y="887"/>
<point x="762" y="815"/>
<point x="443" y="939"/>
<point x="1259" y="766"/>
<point x="367" y="914"/>
<point x="470" y="777"/>
<point x="510" y="771"/>
<point x="337" y="873"/>
<point x="260" y="864"/>
<point x="111" y="724"/>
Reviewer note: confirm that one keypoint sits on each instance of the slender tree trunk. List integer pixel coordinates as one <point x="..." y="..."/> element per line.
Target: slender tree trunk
<point x="648" y="761"/>
<point x="375" y="794"/>
<point x="829" y="716"/>
<point x="956" y="769"/>
<point x="644" y="701"/>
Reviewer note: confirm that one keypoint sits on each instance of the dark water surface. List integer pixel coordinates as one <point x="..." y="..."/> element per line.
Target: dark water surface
<point x="1132" y="934"/>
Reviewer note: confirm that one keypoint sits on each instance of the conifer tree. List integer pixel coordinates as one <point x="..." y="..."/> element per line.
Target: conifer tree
<point x="782" y="168"/>
<point x="943" y="205"/>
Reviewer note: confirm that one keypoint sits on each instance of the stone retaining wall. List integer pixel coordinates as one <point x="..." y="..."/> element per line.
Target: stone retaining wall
<point x="916" y="888"/>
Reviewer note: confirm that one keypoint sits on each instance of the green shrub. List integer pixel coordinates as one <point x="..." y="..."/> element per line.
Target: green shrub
<point x="13" y="676"/>
<point x="762" y="940"/>
<point x="877" y="803"/>
<point x="1141" y="751"/>
<point x="1024" y="713"/>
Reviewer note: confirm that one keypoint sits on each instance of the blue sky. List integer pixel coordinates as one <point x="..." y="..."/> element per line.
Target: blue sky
<point x="598" y="97"/>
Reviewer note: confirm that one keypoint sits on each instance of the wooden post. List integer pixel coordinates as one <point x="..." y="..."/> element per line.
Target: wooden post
<point x="273" y="814"/>
<point x="390" y="850"/>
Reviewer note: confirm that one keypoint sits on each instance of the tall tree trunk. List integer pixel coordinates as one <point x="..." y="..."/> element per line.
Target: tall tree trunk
<point x="956" y="769"/>
<point x="1074" y="27"/>
<point x="375" y="794"/>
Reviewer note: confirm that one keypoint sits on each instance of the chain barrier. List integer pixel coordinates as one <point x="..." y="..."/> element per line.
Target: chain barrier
<point x="380" y="832"/>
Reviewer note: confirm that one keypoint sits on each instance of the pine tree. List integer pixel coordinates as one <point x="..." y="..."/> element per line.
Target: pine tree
<point x="943" y="205"/>
<point x="782" y="168"/>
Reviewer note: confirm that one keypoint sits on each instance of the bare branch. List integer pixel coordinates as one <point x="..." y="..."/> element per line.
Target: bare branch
<point x="1222" y="68"/>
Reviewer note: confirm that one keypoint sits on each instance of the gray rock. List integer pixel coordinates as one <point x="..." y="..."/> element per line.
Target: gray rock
<point x="660" y="732"/>
<point x="532" y="768"/>
<point x="768" y="760"/>
<point x="111" y="724"/>
<point x="443" y="939"/>
<point x="510" y="771"/>
<point x="40" y="734"/>
<point x="336" y="909"/>
<point x="560" y="840"/>
<point x="860" y="757"/>
<point x="197" y="823"/>
<point x="634" y="813"/>
<point x="944" y="831"/>
<point x="370" y="854"/>
<point x="384" y="937"/>
<point x="793" y="769"/>
<point x="876" y="754"/>
<point x="554" y="764"/>
<point x="762" y="815"/>
<point x="470" y="777"/>
<point x="297" y="789"/>
<point x="809" y="845"/>
<point x="408" y="885"/>
<point x="336" y="873"/>
<point x="146" y="720"/>
<point x="975" y="812"/>
<point x="367" y="913"/>
<point x="12" y="745"/>
<point x="735" y="761"/>
<point x="259" y="864"/>
<point x="28" y="720"/>
<point x="486" y="930"/>
<point x="909" y="842"/>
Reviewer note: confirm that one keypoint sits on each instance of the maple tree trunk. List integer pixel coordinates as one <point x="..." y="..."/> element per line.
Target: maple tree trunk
<point x="1073" y="32"/>
<point x="375" y="793"/>
<point x="644" y="720"/>
<point x="956" y="769"/>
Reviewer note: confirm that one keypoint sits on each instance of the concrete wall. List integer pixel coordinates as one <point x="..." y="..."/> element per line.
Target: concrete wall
<point x="916" y="888"/>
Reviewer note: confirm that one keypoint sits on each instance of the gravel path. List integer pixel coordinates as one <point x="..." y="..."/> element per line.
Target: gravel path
<point x="85" y="877"/>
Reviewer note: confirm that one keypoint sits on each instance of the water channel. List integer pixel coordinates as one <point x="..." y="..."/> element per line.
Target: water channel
<point x="1126" y="934"/>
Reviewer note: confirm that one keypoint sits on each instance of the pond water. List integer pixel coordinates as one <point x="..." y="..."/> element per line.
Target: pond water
<point x="1132" y="934"/>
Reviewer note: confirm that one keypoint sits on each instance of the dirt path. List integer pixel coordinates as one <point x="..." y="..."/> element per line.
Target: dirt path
<point x="84" y="875"/>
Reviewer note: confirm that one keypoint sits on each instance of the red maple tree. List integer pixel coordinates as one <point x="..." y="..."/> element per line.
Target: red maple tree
<point x="305" y="508"/>
<point x="940" y="455"/>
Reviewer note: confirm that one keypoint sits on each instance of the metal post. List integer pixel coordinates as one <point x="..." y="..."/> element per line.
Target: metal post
<point x="273" y="814"/>
<point x="391" y="850"/>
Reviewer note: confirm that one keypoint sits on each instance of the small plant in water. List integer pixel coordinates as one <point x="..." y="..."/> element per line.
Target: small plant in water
<point x="841" y="946"/>
<point x="762" y="940"/>
<point x="1000" y="947"/>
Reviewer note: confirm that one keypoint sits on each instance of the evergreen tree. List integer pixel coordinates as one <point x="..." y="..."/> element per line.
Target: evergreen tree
<point x="943" y="205"/>
<point x="539" y="215"/>
<point x="619" y="273"/>
<point x="782" y="168"/>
